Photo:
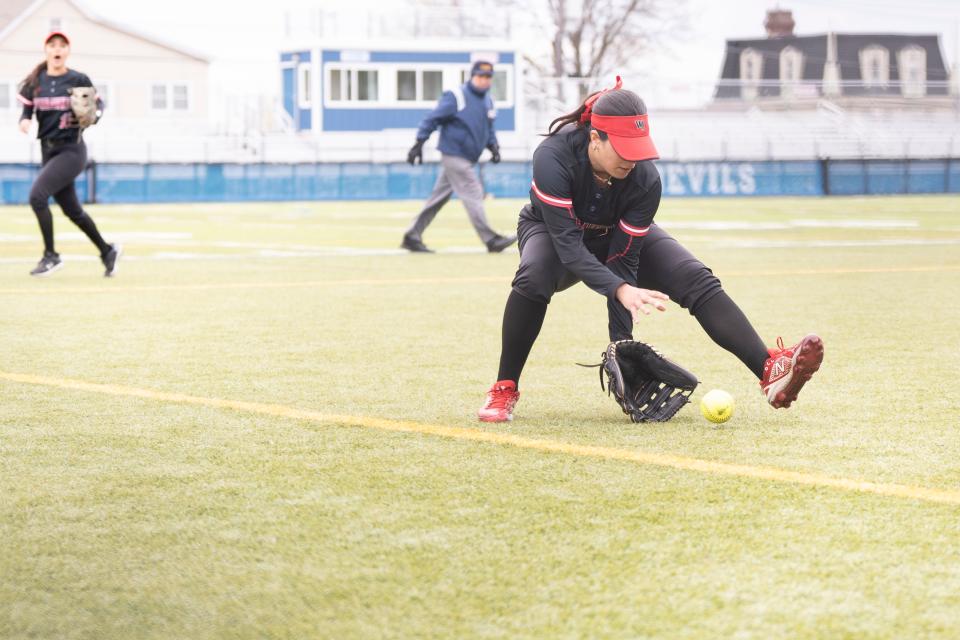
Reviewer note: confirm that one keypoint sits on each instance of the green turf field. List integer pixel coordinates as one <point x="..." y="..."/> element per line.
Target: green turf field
<point x="355" y="496"/>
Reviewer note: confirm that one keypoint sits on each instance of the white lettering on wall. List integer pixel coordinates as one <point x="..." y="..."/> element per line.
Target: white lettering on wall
<point x="709" y="178"/>
<point x="714" y="172"/>
<point x="695" y="175"/>
<point x="727" y="185"/>
<point x="748" y="181"/>
<point x="675" y="186"/>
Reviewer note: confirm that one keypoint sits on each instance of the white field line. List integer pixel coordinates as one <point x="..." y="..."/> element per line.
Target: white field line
<point x="440" y="280"/>
<point x="281" y="252"/>
<point x="746" y="225"/>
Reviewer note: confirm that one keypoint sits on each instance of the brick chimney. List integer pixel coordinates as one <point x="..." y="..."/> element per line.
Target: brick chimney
<point x="779" y="23"/>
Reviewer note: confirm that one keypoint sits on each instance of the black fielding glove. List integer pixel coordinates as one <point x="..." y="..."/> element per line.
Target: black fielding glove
<point x="416" y="153"/>
<point x="494" y="153"/>
<point x="646" y="385"/>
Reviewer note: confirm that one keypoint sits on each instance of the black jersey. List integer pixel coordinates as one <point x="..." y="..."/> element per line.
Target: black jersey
<point x="51" y="102"/>
<point x="596" y="231"/>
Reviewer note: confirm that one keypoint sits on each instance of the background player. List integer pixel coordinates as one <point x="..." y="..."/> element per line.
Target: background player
<point x="592" y="203"/>
<point x="465" y="116"/>
<point x="45" y="92"/>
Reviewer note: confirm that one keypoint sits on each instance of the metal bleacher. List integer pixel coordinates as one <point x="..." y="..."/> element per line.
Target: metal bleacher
<point x="821" y="133"/>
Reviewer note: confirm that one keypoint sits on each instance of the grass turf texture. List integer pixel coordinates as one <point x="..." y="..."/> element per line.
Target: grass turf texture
<point x="124" y="517"/>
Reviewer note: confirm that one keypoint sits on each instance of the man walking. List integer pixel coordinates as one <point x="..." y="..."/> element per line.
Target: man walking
<point x="465" y="117"/>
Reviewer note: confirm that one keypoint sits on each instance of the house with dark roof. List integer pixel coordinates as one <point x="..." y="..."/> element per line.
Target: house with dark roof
<point x="851" y="69"/>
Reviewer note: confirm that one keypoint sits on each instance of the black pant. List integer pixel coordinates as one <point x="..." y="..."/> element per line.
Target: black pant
<point x="664" y="265"/>
<point x="62" y="163"/>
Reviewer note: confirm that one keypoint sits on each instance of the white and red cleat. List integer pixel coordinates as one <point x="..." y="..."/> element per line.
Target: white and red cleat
<point x="501" y="399"/>
<point x="787" y="370"/>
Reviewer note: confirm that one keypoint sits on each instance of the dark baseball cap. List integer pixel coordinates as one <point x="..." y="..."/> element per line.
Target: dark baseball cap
<point x="482" y="68"/>
<point x="55" y="34"/>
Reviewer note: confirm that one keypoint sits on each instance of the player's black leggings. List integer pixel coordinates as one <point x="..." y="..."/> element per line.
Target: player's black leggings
<point x="665" y="266"/>
<point x="61" y="165"/>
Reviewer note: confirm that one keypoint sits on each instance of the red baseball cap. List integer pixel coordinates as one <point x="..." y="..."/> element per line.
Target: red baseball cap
<point x="629" y="135"/>
<point x="54" y="34"/>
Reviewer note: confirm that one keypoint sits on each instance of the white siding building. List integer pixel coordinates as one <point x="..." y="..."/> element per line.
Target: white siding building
<point x="151" y="89"/>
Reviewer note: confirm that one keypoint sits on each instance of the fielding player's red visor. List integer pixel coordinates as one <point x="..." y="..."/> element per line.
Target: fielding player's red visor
<point x="629" y="135"/>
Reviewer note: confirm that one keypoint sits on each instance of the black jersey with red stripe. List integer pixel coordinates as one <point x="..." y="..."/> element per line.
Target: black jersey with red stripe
<point x="597" y="231"/>
<point x="50" y="100"/>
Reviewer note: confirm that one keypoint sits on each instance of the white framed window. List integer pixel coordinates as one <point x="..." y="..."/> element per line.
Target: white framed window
<point x="751" y="72"/>
<point x="875" y="66"/>
<point x="432" y="82"/>
<point x="173" y="96"/>
<point x="352" y="84"/>
<point x="158" y="97"/>
<point x="181" y="97"/>
<point x="360" y="84"/>
<point x="791" y="71"/>
<point x="368" y="85"/>
<point x="407" y="90"/>
<point x="6" y="94"/>
<point x="791" y="65"/>
<point x="304" y="86"/>
<point x="419" y="85"/>
<point x="912" y="64"/>
<point x="335" y="89"/>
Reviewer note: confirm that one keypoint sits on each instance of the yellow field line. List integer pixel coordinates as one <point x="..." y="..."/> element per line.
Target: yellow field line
<point x="773" y="474"/>
<point x="406" y="281"/>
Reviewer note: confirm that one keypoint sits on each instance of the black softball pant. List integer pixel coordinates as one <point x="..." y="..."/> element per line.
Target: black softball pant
<point x="60" y="167"/>
<point x="664" y="265"/>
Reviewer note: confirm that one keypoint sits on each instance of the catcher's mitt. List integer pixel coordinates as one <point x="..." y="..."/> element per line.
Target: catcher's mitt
<point x="647" y="386"/>
<point x="83" y="103"/>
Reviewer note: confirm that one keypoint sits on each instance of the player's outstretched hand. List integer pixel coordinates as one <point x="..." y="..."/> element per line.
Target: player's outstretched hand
<point x="637" y="300"/>
<point x="416" y="153"/>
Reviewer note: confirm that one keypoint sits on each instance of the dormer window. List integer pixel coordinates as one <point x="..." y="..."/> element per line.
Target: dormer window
<point x="791" y="70"/>
<point x="875" y="66"/>
<point x="751" y="72"/>
<point x="912" y="64"/>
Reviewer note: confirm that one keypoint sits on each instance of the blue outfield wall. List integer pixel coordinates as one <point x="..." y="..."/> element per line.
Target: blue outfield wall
<point x="131" y="183"/>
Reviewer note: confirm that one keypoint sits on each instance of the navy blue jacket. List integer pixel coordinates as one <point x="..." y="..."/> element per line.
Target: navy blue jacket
<point x="466" y="120"/>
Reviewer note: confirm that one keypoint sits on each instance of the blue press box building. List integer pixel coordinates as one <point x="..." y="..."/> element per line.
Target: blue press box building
<point x="334" y="89"/>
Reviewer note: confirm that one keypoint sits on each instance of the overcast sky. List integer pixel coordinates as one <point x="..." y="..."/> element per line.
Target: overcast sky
<point x="237" y="36"/>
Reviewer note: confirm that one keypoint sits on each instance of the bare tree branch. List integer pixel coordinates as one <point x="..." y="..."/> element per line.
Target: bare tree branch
<point x="597" y="36"/>
<point x="590" y="38"/>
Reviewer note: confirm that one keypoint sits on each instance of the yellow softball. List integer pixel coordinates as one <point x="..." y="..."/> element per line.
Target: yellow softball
<point x="717" y="406"/>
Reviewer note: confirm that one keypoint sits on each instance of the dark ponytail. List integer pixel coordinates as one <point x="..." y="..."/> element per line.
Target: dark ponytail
<point x="614" y="102"/>
<point x="32" y="81"/>
<point x="573" y="117"/>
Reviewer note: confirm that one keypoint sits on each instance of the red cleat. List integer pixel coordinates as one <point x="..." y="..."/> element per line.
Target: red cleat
<point x="501" y="399"/>
<point x="787" y="370"/>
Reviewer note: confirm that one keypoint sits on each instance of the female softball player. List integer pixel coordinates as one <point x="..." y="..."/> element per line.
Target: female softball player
<point x="592" y="204"/>
<point x="46" y="93"/>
